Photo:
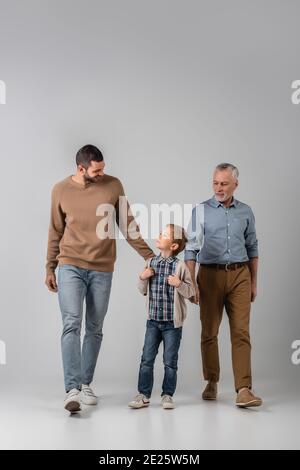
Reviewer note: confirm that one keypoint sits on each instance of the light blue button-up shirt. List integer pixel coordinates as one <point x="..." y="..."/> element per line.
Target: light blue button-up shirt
<point x="221" y="235"/>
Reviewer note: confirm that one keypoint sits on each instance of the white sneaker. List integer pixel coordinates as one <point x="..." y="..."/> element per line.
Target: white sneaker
<point x="87" y="396"/>
<point x="167" y="402"/>
<point x="139" y="401"/>
<point x="72" y="401"/>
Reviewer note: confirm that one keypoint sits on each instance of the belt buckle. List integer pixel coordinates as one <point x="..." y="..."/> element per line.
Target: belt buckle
<point x="226" y="267"/>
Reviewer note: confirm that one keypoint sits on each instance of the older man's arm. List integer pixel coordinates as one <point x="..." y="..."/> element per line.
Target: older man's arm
<point x="252" y="251"/>
<point x="253" y="265"/>
<point x="195" y="235"/>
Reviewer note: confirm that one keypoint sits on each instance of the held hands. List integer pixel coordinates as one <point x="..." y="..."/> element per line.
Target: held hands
<point x="147" y="273"/>
<point x="174" y="280"/>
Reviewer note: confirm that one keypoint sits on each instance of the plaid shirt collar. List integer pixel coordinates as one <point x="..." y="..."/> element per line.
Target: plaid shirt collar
<point x="170" y="259"/>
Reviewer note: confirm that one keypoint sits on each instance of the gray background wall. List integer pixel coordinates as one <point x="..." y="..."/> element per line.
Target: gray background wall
<point x="167" y="89"/>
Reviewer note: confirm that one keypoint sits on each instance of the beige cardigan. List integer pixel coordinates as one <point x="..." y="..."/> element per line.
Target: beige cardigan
<point x="184" y="291"/>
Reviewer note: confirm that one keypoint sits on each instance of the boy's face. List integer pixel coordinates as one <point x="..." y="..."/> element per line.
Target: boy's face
<point x="165" y="240"/>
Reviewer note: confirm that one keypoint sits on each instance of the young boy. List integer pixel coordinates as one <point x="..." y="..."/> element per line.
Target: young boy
<point x="167" y="283"/>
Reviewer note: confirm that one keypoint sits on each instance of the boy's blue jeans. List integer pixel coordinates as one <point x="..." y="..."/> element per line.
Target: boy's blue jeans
<point x="157" y="332"/>
<point x="74" y="285"/>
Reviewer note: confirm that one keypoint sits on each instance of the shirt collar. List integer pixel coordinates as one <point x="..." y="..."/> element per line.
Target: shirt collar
<point x="170" y="259"/>
<point x="216" y="203"/>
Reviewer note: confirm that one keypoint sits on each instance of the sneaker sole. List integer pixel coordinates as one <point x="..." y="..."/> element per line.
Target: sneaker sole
<point x="73" y="407"/>
<point x="249" y="404"/>
<point x="134" y="407"/>
<point x="88" y="404"/>
<point x="168" y="407"/>
<point x="209" y="399"/>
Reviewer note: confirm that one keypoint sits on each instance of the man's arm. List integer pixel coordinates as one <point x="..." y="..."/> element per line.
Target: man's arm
<point x="253" y="265"/>
<point x="186" y="286"/>
<point x="252" y="251"/>
<point x="191" y="264"/>
<point x="195" y="235"/>
<point x="56" y="231"/>
<point x="130" y="228"/>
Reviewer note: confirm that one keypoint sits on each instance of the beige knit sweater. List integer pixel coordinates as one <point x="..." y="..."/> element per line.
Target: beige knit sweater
<point x="73" y="225"/>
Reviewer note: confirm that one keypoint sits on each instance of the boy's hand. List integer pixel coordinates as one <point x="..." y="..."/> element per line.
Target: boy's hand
<point x="147" y="273"/>
<point x="173" y="280"/>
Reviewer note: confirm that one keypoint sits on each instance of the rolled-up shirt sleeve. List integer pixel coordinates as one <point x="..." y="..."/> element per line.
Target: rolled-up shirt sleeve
<point x="195" y="234"/>
<point x="251" y="241"/>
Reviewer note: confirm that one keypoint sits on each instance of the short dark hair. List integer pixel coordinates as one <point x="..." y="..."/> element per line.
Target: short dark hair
<point x="87" y="154"/>
<point x="179" y="237"/>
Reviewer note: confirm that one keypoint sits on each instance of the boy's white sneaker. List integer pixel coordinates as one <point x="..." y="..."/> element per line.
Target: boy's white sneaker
<point x="72" y="401"/>
<point x="87" y="396"/>
<point x="167" y="402"/>
<point x="139" y="401"/>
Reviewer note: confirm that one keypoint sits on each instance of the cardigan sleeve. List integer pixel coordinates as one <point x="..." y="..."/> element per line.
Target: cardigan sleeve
<point x="143" y="285"/>
<point x="186" y="288"/>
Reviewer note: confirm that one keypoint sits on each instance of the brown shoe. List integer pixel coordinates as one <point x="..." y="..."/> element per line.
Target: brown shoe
<point x="246" y="398"/>
<point x="210" y="392"/>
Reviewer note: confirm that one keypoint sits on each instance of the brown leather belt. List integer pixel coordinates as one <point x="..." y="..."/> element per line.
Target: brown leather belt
<point x="227" y="267"/>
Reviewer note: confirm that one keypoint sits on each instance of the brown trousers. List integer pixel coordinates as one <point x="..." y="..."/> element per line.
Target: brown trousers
<point x="232" y="290"/>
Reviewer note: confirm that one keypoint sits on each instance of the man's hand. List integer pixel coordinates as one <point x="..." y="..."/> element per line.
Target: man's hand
<point x="147" y="273"/>
<point x="253" y="266"/>
<point x="253" y="292"/>
<point x="51" y="282"/>
<point x="191" y="264"/>
<point x="195" y="298"/>
<point x="174" y="280"/>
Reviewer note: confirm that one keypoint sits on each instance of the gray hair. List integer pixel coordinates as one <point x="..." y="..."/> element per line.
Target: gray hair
<point x="228" y="166"/>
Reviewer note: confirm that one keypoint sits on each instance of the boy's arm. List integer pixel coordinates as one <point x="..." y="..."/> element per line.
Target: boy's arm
<point x="186" y="287"/>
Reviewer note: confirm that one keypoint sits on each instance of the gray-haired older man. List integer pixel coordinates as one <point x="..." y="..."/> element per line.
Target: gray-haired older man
<point x="222" y="239"/>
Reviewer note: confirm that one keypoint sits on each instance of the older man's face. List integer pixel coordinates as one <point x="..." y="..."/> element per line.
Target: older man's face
<point x="224" y="185"/>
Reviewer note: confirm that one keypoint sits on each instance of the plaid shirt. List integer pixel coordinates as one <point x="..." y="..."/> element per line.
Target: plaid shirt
<point x="161" y="294"/>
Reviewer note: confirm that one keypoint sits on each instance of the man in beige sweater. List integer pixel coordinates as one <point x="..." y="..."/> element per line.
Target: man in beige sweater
<point x="82" y="244"/>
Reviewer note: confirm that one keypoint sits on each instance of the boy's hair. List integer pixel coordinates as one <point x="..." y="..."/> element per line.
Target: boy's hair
<point x="179" y="237"/>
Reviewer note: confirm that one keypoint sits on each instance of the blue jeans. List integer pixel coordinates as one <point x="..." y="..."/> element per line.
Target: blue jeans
<point x="157" y="332"/>
<point x="74" y="285"/>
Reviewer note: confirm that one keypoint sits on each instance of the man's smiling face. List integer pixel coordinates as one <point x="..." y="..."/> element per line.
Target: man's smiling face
<point x="94" y="172"/>
<point x="224" y="185"/>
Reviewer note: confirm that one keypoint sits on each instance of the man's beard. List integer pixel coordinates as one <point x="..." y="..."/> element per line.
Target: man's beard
<point x="91" y="179"/>
<point x="224" y="198"/>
